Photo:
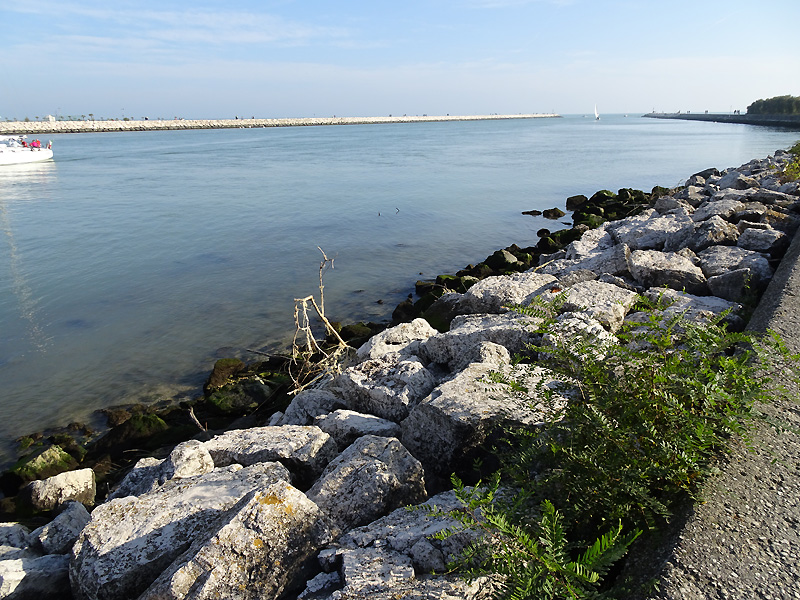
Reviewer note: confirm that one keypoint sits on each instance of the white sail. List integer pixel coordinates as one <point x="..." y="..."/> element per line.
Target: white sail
<point x="596" y="114"/>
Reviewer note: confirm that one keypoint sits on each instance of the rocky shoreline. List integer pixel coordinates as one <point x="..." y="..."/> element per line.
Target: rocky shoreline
<point x="306" y="500"/>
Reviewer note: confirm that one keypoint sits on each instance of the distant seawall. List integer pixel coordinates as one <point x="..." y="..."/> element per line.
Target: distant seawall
<point x="787" y="121"/>
<point x="50" y="127"/>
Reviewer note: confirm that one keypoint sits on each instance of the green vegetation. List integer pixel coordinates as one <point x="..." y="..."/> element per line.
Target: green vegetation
<point x="780" y="105"/>
<point x="647" y="421"/>
<point x="792" y="171"/>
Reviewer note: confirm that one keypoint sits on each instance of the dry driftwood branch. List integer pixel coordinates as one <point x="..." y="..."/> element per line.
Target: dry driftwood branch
<point x="306" y="350"/>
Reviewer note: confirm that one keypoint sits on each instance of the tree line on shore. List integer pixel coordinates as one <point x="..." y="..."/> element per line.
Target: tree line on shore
<point x="779" y="105"/>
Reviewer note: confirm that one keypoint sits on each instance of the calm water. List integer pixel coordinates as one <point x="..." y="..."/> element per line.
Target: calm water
<point x="133" y="261"/>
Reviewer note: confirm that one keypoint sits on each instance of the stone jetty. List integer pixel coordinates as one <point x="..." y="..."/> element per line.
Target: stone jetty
<point x="783" y="121"/>
<point x="51" y="127"/>
<point x="310" y="504"/>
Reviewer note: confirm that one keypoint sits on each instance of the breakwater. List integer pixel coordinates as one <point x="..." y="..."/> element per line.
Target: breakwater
<point x="787" y="121"/>
<point x="50" y="127"/>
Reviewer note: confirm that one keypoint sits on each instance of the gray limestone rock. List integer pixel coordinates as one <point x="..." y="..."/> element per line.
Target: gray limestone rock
<point x="691" y="195"/>
<point x="404" y="338"/>
<point x="590" y="243"/>
<point x="490" y="295"/>
<point x="304" y="449"/>
<point x="712" y="232"/>
<point x="142" y="478"/>
<point x="763" y="240"/>
<point x="255" y="553"/>
<point x="129" y="541"/>
<point x="613" y="261"/>
<point x="187" y="459"/>
<point x="725" y="208"/>
<point x="731" y="285"/>
<point x="59" y="535"/>
<point x="346" y="426"/>
<point x="604" y="302"/>
<point x="736" y="180"/>
<point x="693" y="308"/>
<point x="382" y="574"/>
<point x="15" y="541"/>
<point x="372" y="477"/>
<point x="410" y="532"/>
<point x="42" y="578"/>
<point x="463" y="412"/>
<point x="388" y="386"/>
<point x="718" y="260"/>
<point x="463" y="343"/>
<point x="307" y="405"/>
<point x="652" y="231"/>
<point x="652" y="268"/>
<point x="47" y="494"/>
<point x="579" y="333"/>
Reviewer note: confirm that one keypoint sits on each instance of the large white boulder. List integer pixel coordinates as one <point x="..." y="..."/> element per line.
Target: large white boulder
<point x="129" y="541"/>
<point x="59" y="535"/>
<point x="477" y="403"/>
<point x="383" y="574"/>
<point x="411" y="533"/>
<point x="462" y="344"/>
<point x="490" y="295"/>
<point x="652" y="268"/>
<point x="605" y="302"/>
<point x="15" y="542"/>
<point x="40" y="578"/>
<point x="723" y="206"/>
<point x="652" y="231"/>
<point x="307" y="405"/>
<point x="304" y="449"/>
<point x="187" y="459"/>
<point x="613" y="260"/>
<point x="372" y="477"/>
<point x="404" y="339"/>
<point x="346" y="426"/>
<point x="388" y="386"/>
<point x="256" y="552"/>
<point x="47" y="494"/>
<point x="721" y="259"/>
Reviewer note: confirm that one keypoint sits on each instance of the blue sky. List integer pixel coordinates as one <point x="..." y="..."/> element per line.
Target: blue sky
<point x="285" y="58"/>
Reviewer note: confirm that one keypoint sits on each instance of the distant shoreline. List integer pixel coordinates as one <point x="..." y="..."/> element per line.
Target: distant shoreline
<point x="787" y="121"/>
<point x="50" y="127"/>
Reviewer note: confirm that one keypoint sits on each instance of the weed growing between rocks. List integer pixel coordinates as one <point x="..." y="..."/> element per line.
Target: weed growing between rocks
<point x="649" y="418"/>
<point x="791" y="171"/>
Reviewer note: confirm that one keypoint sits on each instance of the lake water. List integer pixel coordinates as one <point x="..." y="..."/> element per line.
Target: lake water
<point x="134" y="260"/>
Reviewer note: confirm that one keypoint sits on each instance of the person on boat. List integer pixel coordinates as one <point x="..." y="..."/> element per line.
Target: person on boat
<point x="36" y="144"/>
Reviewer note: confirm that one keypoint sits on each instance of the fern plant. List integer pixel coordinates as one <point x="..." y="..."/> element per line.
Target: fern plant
<point x="648" y="418"/>
<point x="530" y="562"/>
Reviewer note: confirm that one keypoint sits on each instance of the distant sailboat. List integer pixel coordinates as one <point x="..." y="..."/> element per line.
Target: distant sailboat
<point x="596" y="114"/>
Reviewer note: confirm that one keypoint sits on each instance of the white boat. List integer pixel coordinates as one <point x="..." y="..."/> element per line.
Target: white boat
<point x="596" y="114"/>
<point x="14" y="150"/>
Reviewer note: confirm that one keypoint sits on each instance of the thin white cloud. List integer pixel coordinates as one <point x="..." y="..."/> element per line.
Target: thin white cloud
<point x="195" y="26"/>
<point x="490" y="4"/>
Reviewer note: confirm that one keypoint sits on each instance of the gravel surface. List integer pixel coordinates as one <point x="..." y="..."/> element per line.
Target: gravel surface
<point x="744" y="540"/>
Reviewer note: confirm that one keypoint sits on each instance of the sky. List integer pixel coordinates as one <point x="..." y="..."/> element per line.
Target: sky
<point x="302" y="58"/>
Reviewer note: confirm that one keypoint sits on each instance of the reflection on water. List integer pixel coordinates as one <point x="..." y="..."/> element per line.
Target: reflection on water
<point x="16" y="181"/>
<point x="42" y="173"/>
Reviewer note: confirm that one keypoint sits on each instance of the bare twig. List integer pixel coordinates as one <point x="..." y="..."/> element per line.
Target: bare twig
<point x="314" y="361"/>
